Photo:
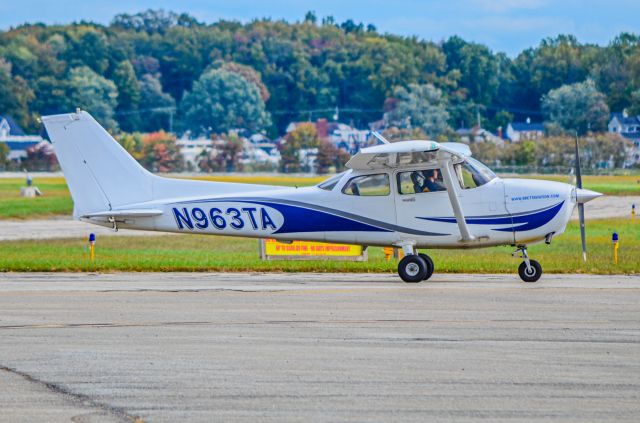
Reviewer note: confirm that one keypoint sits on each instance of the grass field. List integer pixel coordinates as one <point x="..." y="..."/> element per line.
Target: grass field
<point x="203" y="253"/>
<point x="57" y="201"/>
<point x="608" y="185"/>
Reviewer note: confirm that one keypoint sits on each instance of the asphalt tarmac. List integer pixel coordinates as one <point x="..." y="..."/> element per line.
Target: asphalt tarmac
<point x="318" y="347"/>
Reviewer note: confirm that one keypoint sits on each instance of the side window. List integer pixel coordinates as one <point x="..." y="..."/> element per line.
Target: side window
<point x="419" y="181"/>
<point x="368" y="185"/>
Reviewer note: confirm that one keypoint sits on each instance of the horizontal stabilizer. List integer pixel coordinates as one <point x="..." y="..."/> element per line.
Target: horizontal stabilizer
<point x="125" y="213"/>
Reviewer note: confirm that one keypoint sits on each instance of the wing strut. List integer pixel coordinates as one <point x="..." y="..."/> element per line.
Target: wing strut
<point x="453" y="190"/>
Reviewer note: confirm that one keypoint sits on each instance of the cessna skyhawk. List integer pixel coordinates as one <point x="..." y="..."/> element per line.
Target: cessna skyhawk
<point x="409" y="194"/>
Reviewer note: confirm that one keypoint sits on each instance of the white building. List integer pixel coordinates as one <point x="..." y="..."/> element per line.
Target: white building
<point x="629" y="128"/>
<point x="350" y="139"/>
<point x="259" y="150"/>
<point x="192" y="148"/>
<point x="525" y="131"/>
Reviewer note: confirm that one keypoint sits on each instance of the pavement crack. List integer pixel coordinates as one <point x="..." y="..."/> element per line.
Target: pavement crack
<point x="76" y="398"/>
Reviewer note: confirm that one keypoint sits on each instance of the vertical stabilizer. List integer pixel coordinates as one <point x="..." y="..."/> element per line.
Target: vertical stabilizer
<point x="101" y="175"/>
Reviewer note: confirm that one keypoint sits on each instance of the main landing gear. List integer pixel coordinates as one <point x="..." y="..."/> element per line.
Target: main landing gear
<point x="415" y="267"/>
<point x="529" y="270"/>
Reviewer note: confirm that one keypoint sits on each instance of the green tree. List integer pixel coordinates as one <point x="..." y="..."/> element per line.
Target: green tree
<point x="220" y="101"/>
<point x="250" y="74"/>
<point x="420" y="106"/>
<point x="128" y="95"/>
<point x="52" y="96"/>
<point x="477" y="66"/>
<point x="15" y="96"/>
<point x="579" y="107"/>
<point x="95" y="94"/>
<point x="304" y="136"/>
<point x="89" y="47"/>
<point x="522" y="153"/>
<point x="158" y="106"/>
<point x="4" y="154"/>
<point x="556" y="61"/>
<point x="634" y="108"/>
<point x="500" y="120"/>
<point x="615" y="70"/>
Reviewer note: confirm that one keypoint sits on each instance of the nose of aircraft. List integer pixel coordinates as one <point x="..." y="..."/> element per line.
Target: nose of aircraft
<point x="585" y="195"/>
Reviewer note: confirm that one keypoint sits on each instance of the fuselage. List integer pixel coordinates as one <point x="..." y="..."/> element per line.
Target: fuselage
<point x="498" y="212"/>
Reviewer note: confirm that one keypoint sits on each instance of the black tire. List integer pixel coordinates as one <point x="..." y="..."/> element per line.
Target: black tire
<point x="536" y="271"/>
<point x="430" y="266"/>
<point x="412" y="269"/>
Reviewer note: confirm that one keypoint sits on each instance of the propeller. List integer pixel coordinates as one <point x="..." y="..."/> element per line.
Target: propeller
<point x="582" y="196"/>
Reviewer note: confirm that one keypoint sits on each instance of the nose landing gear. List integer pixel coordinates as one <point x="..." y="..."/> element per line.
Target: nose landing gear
<point x="529" y="270"/>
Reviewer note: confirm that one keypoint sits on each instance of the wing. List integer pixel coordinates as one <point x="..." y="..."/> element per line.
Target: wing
<point x="406" y="153"/>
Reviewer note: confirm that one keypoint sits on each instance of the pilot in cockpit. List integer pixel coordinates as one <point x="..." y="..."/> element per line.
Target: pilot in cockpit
<point x="427" y="181"/>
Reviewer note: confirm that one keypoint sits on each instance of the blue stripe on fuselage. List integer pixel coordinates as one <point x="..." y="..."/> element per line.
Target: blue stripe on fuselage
<point x="522" y="222"/>
<point x="298" y="219"/>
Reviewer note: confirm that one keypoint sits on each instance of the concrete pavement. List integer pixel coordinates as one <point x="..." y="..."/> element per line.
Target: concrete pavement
<point x="318" y="347"/>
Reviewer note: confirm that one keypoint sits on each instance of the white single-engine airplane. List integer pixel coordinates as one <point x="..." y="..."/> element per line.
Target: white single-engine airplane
<point x="408" y="194"/>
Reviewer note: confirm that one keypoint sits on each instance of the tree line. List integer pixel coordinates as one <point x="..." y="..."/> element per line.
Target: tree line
<point x="159" y="70"/>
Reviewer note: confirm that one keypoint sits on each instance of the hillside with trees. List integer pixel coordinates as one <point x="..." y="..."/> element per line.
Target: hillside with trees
<point x="158" y="70"/>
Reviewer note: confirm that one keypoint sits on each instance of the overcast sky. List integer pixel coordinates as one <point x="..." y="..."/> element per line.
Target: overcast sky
<point x="504" y="25"/>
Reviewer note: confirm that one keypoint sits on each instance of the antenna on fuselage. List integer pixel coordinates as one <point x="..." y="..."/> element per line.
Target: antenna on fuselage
<point x="379" y="136"/>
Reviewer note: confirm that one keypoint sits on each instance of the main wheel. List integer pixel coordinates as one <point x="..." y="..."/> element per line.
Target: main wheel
<point x="430" y="265"/>
<point x="412" y="268"/>
<point x="531" y="275"/>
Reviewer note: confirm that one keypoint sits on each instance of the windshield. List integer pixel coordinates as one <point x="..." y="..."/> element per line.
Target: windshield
<point x="473" y="174"/>
<point x="331" y="183"/>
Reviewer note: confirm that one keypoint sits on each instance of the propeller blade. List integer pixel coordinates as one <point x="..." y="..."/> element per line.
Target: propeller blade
<point x="583" y="234"/>
<point x="578" y="174"/>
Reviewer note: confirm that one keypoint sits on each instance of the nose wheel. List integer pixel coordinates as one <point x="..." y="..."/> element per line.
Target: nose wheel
<point x="529" y="270"/>
<point x="415" y="268"/>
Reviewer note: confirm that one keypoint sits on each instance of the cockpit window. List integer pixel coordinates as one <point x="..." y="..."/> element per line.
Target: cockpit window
<point x="472" y="174"/>
<point x="331" y="183"/>
<point x="368" y="185"/>
<point x="419" y="181"/>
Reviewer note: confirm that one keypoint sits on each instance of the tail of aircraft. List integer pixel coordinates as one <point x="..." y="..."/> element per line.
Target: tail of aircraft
<point x="101" y="175"/>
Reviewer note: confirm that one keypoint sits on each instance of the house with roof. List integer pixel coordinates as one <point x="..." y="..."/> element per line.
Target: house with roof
<point x="476" y="135"/>
<point x="18" y="142"/>
<point x="627" y="127"/>
<point x="525" y="131"/>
